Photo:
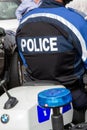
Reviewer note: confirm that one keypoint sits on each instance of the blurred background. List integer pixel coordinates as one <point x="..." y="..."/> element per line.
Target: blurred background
<point x="80" y="5"/>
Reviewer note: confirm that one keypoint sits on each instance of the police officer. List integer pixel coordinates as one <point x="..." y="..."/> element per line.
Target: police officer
<point x="52" y="42"/>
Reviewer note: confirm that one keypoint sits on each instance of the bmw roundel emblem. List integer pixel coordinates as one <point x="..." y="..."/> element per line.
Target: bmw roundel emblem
<point x="4" y="118"/>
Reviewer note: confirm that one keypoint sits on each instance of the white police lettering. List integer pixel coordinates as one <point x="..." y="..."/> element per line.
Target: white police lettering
<point x="46" y="46"/>
<point x="53" y="44"/>
<point x="39" y="44"/>
<point x="23" y="44"/>
<point x="30" y="45"/>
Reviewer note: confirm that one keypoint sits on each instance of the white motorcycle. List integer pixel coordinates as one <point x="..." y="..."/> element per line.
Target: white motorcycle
<point x="37" y="107"/>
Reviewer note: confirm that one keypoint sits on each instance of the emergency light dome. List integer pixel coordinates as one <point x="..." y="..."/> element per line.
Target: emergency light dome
<point x="55" y="97"/>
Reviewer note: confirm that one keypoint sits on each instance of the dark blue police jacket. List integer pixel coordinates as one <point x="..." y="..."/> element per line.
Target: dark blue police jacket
<point x="52" y="43"/>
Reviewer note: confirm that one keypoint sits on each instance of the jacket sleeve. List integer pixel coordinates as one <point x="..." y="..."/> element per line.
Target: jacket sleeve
<point x="24" y="7"/>
<point x="20" y="11"/>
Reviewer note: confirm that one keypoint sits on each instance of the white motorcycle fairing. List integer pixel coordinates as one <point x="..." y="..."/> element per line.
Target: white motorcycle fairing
<point x="25" y="115"/>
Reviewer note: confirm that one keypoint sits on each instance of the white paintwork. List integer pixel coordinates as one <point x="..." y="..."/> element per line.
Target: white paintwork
<point x="24" y="115"/>
<point x="9" y="24"/>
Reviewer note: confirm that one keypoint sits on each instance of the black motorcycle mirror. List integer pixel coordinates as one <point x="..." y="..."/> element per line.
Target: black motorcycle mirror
<point x="12" y="101"/>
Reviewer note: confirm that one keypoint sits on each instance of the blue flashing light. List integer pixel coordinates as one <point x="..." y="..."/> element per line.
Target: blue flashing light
<point x="55" y="97"/>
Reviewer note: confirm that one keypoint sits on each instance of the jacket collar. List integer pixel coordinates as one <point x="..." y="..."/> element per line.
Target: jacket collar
<point x="50" y="4"/>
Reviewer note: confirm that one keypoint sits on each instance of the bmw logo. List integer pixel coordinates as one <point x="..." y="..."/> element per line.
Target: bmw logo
<point x="4" y="118"/>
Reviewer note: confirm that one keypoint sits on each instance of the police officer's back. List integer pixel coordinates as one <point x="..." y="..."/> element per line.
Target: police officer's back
<point x="52" y="42"/>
